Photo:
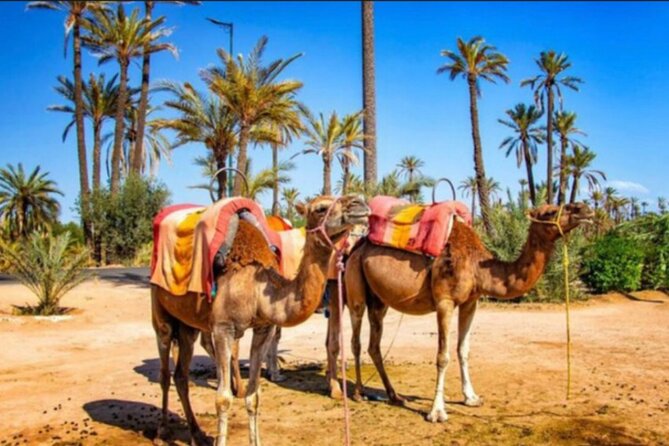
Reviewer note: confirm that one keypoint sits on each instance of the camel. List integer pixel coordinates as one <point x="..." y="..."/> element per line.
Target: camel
<point x="378" y="277"/>
<point x="250" y="294"/>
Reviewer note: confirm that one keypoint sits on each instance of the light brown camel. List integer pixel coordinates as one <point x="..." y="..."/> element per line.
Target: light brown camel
<point x="379" y="277"/>
<point x="250" y="294"/>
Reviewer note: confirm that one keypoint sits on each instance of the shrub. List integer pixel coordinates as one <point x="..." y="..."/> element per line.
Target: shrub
<point x="143" y="255"/>
<point x="651" y="232"/>
<point x="48" y="267"/>
<point x="613" y="262"/>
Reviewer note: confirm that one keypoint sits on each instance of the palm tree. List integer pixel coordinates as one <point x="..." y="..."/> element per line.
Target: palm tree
<point x="138" y="155"/>
<point x="75" y="15"/>
<point x="352" y="137"/>
<point x="369" y="92"/>
<point x="468" y="186"/>
<point x="203" y="119"/>
<point x="662" y="205"/>
<point x="154" y="139"/>
<point x="610" y="196"/>
<point x="522" y="120"/>
<point x="115" y="35"/>
<point x="100" y="97"/>
<point x="564" y="127"/>
<point x="267" y="178"/>
<point x="410" y="166"/>
<point x="290" y="197"/>
<point x="635" y="208"/>
<point x="355" y="185"/>
<point x="596" y="197"/>
<point x="253" y="94"/>
<point x="577" y="166"/>
<point x="546" y="85"/>
<point x="27" y="202"/>
<point x="476" y="60"/>
<point x="324" y="138"/>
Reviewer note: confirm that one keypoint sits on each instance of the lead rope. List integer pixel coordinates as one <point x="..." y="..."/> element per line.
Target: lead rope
<point x="340" y="271"/>
<point x="565" y="268"/>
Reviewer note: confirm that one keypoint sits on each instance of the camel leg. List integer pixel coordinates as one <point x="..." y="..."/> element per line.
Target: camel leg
<point x="272" y="359"/>
<point x="206" y="341"/>
<point x="223" y="343"/>
<point x="332" y="341"/>
<point x="377" y="311"/>
<point x="261" y="338"/>
<point x="444" y="314"/>
<point x="162" y="324"/>
<point x="187" y="337"/>
<point x="465" y="317"/>
<point x="356" y="295"/>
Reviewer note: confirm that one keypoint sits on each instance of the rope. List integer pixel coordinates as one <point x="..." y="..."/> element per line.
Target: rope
<point x="385" y="355"/>
<point x="565" y="268"/>
<point x="340" y="270"/>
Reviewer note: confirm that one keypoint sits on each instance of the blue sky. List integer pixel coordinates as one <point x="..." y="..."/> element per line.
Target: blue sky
<point x="619" y="49"/>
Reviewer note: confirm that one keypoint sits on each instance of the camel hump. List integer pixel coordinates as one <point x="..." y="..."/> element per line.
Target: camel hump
<point x="250" y="247"/>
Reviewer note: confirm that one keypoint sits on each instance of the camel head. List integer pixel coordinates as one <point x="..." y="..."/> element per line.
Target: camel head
<point x="571" y="217"/>
<point x="344" y="213"/>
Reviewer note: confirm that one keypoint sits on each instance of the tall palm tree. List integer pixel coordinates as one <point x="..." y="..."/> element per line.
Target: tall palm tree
<point x="522" y="120"/>
<point x="635" y="207"/>
<point x="75" y="14"/>
<point x="476" y="60"/>
<point x="546" y="85"/>
<point x="493" y="187"/>
<point x="352" y="137"/>
<point x="410" y="166"/>
<point x="115" y="35"/>
<point x="267" y="178"/>
<point x="324" y="138"/>
<point x="610" y="196"/>
<point x="138" y="151"/>
<point x="27" y="201"/>
<point x="578" y="164"/>
<point x="662" y="205"/>
<point x="290" y="195"/>
<point x="100" y="97"/>
<point x="565" y="127"/>
<point x="468" y="186"/>
<point x="369" y="92"/>
<point x="155" y="141"/>
<point x="596" y="196"/>
<point x="252" y="93"/>
<point x="202" y="119"/>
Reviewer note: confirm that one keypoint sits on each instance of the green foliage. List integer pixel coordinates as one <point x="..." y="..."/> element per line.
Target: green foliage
<point x="143" y="255"/>
<point x="613" y="262"/>
<point x="72" y="228"/>
<point x="123" y="223"/>
<point x="47" y="266"/>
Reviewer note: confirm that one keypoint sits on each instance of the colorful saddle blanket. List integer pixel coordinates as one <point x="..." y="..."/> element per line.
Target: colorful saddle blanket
<point x="413" y="227"/>
<point x="187" y="238"/>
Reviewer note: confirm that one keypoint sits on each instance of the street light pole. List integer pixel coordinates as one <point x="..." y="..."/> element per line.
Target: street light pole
<point x="230" y="28"/>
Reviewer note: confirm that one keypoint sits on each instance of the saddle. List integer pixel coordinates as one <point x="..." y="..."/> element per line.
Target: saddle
<point x="417" y="228"/>
<point x="190" y="243"/>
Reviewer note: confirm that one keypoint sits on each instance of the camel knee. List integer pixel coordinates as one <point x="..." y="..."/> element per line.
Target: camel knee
<point x="443" y="360"/>
<point x="252" y="402"/>
<point x="224" y="402"/>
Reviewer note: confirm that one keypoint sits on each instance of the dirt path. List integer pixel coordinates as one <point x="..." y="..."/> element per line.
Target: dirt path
<point x="91" y="378"/>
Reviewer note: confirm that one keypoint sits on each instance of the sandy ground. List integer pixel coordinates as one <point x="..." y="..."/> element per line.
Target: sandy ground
<point x="91" y="378"/>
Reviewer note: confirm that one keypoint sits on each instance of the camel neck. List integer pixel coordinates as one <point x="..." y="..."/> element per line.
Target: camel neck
<point x="507" y="280"/>
<point x="304" y="293"/>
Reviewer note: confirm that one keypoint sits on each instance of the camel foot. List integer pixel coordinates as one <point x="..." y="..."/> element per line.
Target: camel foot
<point x="397" y="400"/>
<point x="335" y="391"/>
<point x="277" y="377"/>
<point x="358" y="397"/>
<point x="437" y="416"/>
<point x="199" y="438"/>
<point x="475" y="401"/>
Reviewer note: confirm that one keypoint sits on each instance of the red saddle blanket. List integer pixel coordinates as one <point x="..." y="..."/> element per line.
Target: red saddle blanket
<point x="414" y="227"/>
<point x="187" y="237"/>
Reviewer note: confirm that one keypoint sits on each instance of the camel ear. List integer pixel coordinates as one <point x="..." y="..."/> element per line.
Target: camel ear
<point x="301" y="209"/>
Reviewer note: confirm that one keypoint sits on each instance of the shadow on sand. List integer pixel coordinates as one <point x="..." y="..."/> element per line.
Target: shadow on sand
<point x="141" y="418"/>
<point x="202" y="371"/>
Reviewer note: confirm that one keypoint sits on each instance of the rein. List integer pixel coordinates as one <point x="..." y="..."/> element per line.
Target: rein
<point x="565" y="268"/>
<point x="339" y="255"/>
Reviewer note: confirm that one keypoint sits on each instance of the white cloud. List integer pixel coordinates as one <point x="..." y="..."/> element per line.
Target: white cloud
<point x="628" y="186"/>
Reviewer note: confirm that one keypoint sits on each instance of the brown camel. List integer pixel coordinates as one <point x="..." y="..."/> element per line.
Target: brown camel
<point x="379" y="277"/>
<point x="250" y="294"/>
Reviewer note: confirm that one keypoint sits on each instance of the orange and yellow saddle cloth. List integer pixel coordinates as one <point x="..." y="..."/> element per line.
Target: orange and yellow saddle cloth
<point x="414" y="227"/>
<point x="187" y="237"/>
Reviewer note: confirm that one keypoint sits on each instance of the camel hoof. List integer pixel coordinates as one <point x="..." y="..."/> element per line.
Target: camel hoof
<point x="335" y="392"/>
<point x="200" y="439"/>
<point x="397" y="400"/>
<point x="437" y="416"/>
<point x="161" y="434"/>
<point x="475" y="401"/>
<point x="277" y="377"/>
<point x="358" y="397"/>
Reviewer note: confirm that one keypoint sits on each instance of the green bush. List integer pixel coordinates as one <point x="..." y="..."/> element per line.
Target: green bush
<point x="122" y="225"/>
<point x="651" y="232"/>
<point x="48" y="267"/>
<point x="613" y="262"/>
<point x="143" y="255"/>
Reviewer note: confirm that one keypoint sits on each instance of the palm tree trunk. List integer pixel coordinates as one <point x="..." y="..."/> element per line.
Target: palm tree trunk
<point x="478" y="157"/>
<point x="138" y="152"/>
<point x="119" y="129"/>
<point x="241" y="160"/>
<point x="220" y="155"/>
<point x="79" y="118"/>
<point x="530" y="175"/>
<point x="549" y="148"/>
<point x="574" y="190"/>
<point x="562" y="190"/>
<point x="275" y="186"/>
<point x="369" y="93"/>
<point x="346" y="180"/>
<point x="473" y="205"/>
<point x="327" y="175"/>
<point x="97" y="130"/>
